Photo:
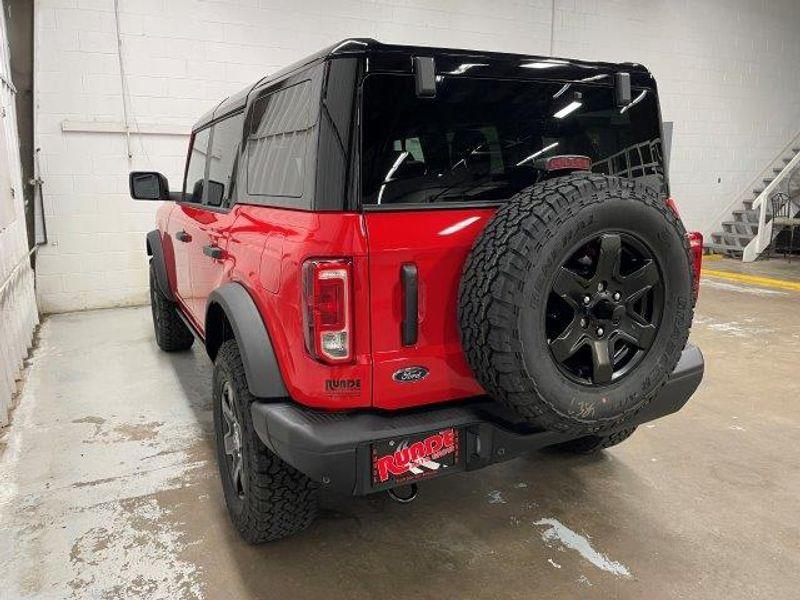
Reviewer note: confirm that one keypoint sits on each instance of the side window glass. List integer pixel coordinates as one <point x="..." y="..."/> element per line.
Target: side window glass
<point x="225" y="141"/>
<point x="277" y="141"/>
<point x="196" y="170"/>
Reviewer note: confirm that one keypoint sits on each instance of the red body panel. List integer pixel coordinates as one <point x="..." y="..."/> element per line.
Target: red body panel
<point x="205" y="228"/>
<point x="265" y="249"/>
<point x="177" y="222"/>
<point x="438" y="242"/>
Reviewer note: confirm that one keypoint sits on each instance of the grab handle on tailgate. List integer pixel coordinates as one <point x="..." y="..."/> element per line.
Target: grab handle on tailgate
<point x="409" y="282"/>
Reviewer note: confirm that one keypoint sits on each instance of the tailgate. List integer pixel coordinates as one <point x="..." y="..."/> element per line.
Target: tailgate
<point x="430" y="247"/>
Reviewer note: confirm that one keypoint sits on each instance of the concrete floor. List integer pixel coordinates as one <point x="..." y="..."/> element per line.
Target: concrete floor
<point x="108" y="487"/>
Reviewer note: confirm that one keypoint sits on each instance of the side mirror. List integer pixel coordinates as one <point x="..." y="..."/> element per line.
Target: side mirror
<point x="148" y="185"/>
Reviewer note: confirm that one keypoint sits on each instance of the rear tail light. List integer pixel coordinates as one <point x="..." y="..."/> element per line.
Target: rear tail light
<point x="696" y="249"/>
<point x="327" y="309"/>
<point x="673" y="207"/>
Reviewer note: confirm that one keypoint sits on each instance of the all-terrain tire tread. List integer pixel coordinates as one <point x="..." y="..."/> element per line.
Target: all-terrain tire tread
<point x="280" y="500"/>
<point x="172" y="334"/>
<point x="492" y="283"/>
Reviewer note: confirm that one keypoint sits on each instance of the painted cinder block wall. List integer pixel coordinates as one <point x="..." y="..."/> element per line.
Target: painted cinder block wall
<point x="726" y="70"/>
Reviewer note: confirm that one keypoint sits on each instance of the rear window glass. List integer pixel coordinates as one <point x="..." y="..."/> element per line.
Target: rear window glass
<point x="484" y="140"/>
<point x="277" y="142"/>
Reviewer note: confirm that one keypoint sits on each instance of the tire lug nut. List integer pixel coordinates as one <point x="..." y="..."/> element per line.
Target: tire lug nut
<point x="586" y="299"/>
<point x="599" y="331"/>
<point x="600" y="287"/>
<point x="583" y="322"/>
<point x="616" y="296"/>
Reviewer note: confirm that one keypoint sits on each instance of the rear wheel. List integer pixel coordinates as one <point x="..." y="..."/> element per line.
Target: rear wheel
<point x="267" y="499"/>
<point x="172" y="335"/>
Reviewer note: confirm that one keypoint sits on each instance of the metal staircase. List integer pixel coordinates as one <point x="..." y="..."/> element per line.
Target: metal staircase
<point x="749" y="223"/>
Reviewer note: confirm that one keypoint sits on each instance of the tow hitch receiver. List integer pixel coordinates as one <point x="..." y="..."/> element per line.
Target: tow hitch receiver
<point x="405" y="494"/>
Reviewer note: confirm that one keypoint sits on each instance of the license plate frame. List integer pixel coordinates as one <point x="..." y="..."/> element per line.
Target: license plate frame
<point x="411" y="458"/>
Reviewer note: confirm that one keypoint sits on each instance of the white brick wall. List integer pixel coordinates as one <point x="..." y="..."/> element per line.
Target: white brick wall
<point x="726" y="68"/>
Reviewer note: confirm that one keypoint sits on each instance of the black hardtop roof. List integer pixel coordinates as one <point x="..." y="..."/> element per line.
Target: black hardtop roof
<point x="567" y="69"/>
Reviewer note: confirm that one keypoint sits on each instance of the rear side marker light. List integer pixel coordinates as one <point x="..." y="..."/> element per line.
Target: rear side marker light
<point x="327" y="309"/>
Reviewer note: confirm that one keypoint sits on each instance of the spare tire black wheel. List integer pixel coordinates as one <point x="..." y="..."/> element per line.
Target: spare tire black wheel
<point x="576" y="301"/>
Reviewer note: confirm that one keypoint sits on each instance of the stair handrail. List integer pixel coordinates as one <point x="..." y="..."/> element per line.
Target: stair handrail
<point x="763" y="238"/>
<point x="793" y="143"/>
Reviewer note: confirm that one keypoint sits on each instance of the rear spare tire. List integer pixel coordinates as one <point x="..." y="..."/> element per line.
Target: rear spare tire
<point x="576" y="301"/>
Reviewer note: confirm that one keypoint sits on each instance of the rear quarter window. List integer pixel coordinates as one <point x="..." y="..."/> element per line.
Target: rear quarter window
<point x="278" y="140"/>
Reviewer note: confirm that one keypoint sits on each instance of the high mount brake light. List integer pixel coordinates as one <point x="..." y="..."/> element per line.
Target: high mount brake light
<point x="573" y="162"/>
<point x="327" y="309"/>
<point x="696" y="249"/>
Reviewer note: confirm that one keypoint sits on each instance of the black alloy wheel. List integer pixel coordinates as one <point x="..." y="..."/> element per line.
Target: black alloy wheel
<point x="604" y="308"/>
<point x="232" y="440"/>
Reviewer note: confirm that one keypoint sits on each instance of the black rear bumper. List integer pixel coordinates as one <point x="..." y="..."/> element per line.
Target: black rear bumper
<point x="334" y="448"/>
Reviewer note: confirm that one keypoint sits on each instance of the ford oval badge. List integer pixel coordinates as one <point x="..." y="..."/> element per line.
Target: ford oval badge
<point x="410" y="374"/>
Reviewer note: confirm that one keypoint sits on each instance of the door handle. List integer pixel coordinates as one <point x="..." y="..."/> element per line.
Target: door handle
<point x="182" y="236"/>
<point x="409" y="282"/>
<point x="214" y="252"/>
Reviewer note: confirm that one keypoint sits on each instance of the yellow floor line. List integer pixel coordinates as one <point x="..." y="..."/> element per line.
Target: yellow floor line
<point x="781" y="284"/>
<point x="712" y="258"/>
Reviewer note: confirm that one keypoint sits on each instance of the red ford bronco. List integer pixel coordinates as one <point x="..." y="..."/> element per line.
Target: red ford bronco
<point x="406" y="262"/>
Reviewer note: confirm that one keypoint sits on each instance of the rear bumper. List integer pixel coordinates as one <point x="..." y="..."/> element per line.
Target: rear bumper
<point x="334" y="448"/>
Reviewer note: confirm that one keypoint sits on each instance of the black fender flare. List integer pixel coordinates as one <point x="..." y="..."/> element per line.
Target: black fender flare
<point x="155" y="250"/>
<point x="264" y="377"/>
